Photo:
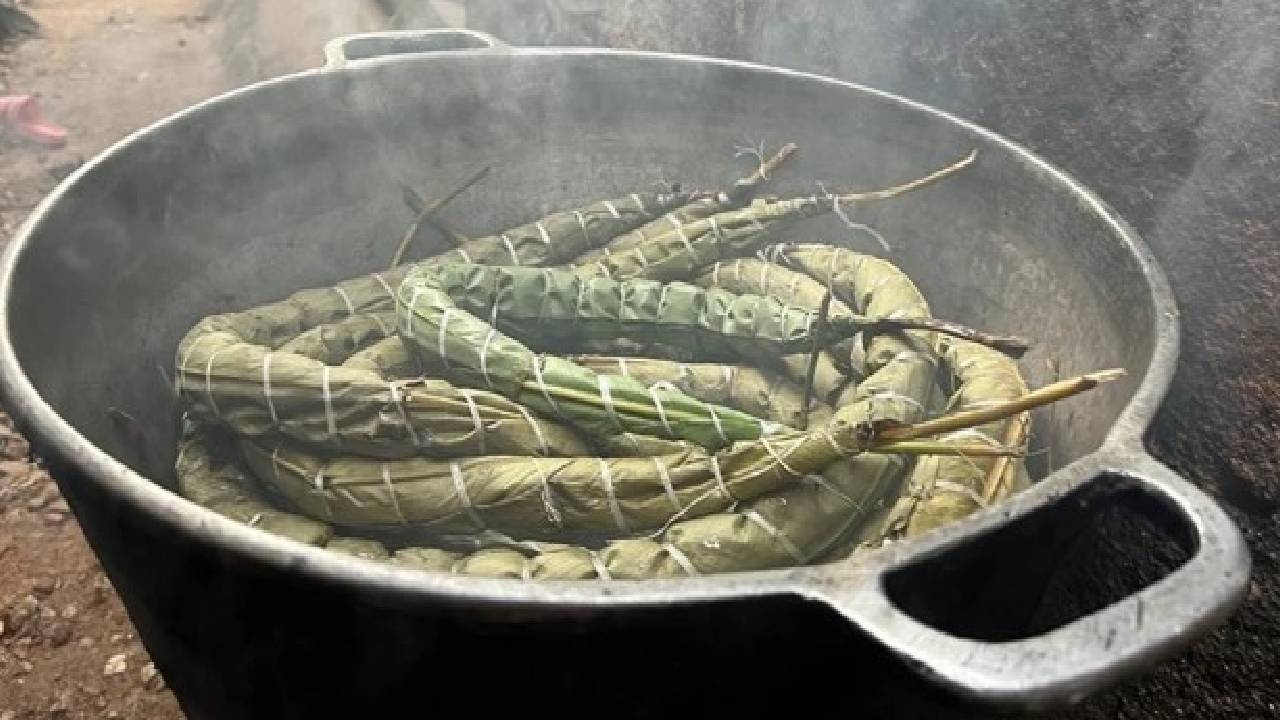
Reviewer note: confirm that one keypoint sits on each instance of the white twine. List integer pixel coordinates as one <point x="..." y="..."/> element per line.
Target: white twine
<point x="407" y="326"/>
<point x="391" y="490"/>
<point x="773" y="532"/>
<point x="351" y="308"/>
<point x="639" y="202"/>
<point x="764" y="442"/>
<point x="398" y="400"/>
<point x="638" y="251"/>
<point x="607" y="396"/>
<point x="497" y="301"/>
<point x="622" y="367"/>
<point x="475" y="418"/>
<point x="537" y="430"/>
<point x="275" y="461"/>
<point x="665" y="476"/>
<point x="542" y="233"/>
<point x="715" y="228"/>
<point x="548" y="500"/>
<point x="612" y="210"/>
<point x="913" y="355"/>
<point x="382" y="327"/>
<point x="662" y="299"/>
<point x="606" y="482"/>
<point x="583" y="284"/>
<point x="327" y="394"/>
<point x="385" y="286"/>
<point x="320" y="490"/>
<point x="542" y="385"/>
<point x="185" y="363"/>
<point x="582" y="223"/>
<point x="511" y="249"/>
<point x="440" y="338"/>
<point x="715" y="420"/>
<point x="460" y="488"/>
<point x="208" y="383"/>
<point x="823" y="484"/>
<point x="465" y="257"/>
<point x="662" y="413"/>
<point x="715" y="470"/>
<point x="895" y="395"/>
<point x="681" y="559"/>
<point x="601" y="571"/>
<point x="484" y="356"/>
<point x="959" y="489"/>
<point x="826" y="433"/>
<point x="266" y="389"/>
<point x="685" y="240"/>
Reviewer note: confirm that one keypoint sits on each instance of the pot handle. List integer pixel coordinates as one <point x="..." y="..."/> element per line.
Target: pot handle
<point x="1066" y="664"/>
<point x="342" y="51"/>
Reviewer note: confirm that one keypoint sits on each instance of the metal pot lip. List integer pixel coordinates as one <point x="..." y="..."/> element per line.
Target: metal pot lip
<point x="35" y="416"/>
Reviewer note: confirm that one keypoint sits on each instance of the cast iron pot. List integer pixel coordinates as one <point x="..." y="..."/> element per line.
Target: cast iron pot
<point x="296" y="182"/>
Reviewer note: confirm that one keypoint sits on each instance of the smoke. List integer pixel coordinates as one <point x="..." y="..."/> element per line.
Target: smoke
<point x="1168" y="108"/>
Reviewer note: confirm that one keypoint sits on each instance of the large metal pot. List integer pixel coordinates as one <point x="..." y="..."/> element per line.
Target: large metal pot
<point x="296" y="182"/>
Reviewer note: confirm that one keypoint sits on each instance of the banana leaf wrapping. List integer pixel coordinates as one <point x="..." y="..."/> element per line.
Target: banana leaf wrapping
<point x="761" y="392"/>
<point x="560" y="237"/>
<point x="837" y="366"/>
<point x="414" y="408"/>
<point x="682" y="251"/>
<point x="852" y="491"/>
<point x="556" y="308"/>
<point x="698" y="209"/>
<point x="333" y="343"/>
<point x="268" y="369"/>
<point x="208" y="476"/>
<point x="943" y="489"/>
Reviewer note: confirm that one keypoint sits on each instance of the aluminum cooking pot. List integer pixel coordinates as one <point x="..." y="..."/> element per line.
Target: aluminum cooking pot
<point x="296" y="182"/>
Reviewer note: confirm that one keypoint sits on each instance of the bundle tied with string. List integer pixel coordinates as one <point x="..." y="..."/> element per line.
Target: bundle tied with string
<point x="486" y="412"/>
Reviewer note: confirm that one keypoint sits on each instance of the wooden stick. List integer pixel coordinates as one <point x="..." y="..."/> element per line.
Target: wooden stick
<point x="416" y="203"/>
<point x="812" y="371"/>
<point x="432" y="209"/>
<point x="1011" y="345"/>
<point x="749" y="183"/>
<point x="896" y="190"/>
<point x="1014" y="436"/>
<point x="973" y="418"/>
<point x="926" y="447"/>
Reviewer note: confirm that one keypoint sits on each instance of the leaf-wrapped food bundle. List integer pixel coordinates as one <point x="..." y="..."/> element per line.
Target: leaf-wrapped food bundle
<point x="413" y="414"/>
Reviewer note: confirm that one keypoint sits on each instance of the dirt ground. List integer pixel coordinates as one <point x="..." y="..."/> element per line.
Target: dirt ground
<point x="101" y="69"/>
